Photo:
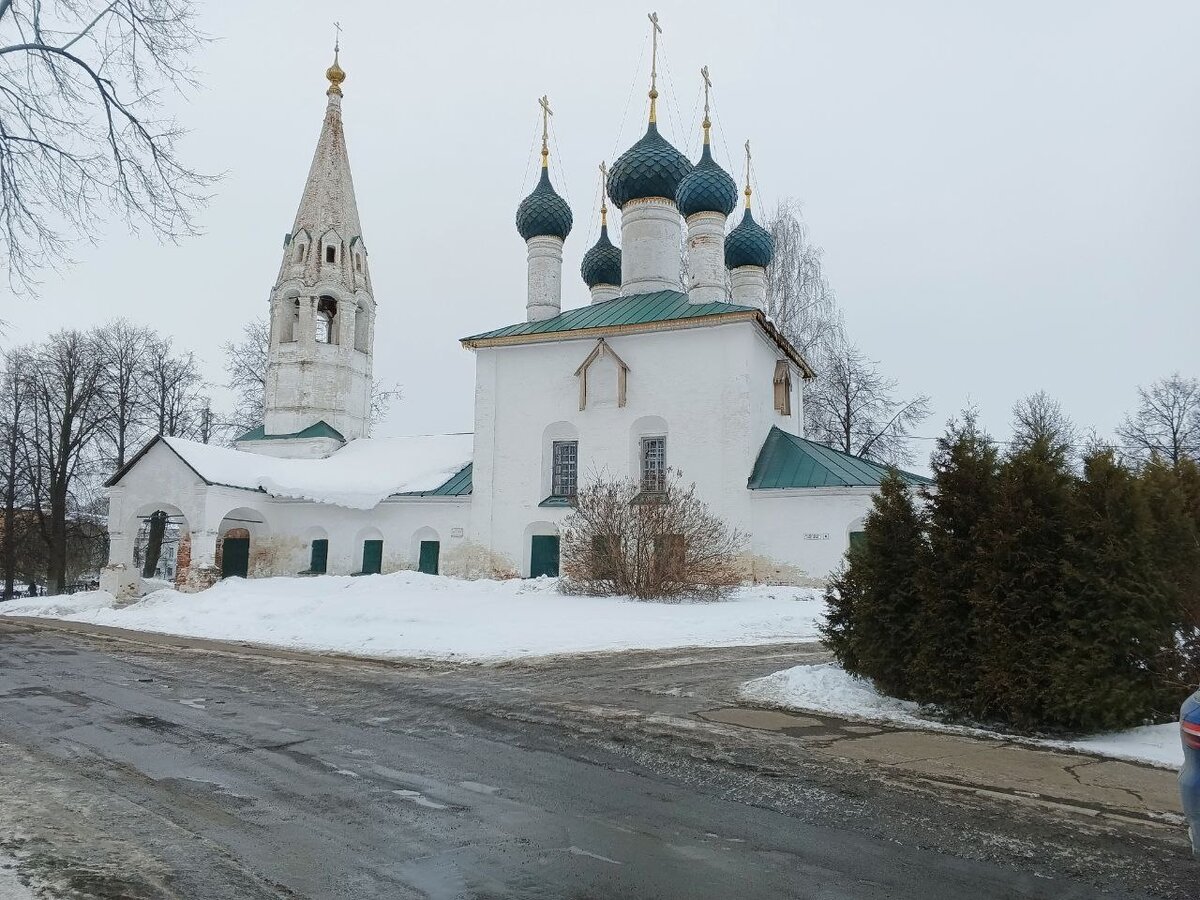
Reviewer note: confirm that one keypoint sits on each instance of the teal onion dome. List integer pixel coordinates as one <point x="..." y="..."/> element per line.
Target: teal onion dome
<point x="708" y="188"/>
<point x="543" y="213"/>
<point x="749" y="244"/>
<point x="602" y="263"/>
<point x="650" y="168"/>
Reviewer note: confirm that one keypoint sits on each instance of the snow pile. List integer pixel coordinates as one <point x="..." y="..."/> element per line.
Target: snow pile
<point x="435" y="617"/>
<point x="828" y="688"/>
<point x="358" y="476"/>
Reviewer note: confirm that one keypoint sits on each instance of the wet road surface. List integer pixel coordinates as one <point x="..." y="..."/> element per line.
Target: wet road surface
<point x="146" y="772"/>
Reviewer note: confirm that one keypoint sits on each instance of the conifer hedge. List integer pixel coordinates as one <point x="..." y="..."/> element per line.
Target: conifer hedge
<point x="1028" y="588"/>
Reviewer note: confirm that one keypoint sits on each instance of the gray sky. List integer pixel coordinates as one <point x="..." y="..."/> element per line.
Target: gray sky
<point x="1008" y="196"/>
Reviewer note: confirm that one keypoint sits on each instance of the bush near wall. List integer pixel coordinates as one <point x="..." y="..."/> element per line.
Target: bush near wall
<point x="1027" y="591"/>
<point x="660" y="544"/>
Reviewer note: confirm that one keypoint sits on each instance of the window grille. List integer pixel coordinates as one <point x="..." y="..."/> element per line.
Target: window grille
<point x="654" y="464"/>
<point x="565" y="474"/>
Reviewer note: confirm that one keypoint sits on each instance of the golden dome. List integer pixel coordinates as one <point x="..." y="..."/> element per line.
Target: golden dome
<point x="336" y="76"/>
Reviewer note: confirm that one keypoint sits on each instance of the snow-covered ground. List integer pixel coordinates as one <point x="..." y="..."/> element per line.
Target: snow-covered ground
<point x="830" y="689"/>
<point x="435" y="617"/>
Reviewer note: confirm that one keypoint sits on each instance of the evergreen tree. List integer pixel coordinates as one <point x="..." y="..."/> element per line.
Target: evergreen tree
<point x="1173" y="495"/>
<point x="1118" y="637"/>
<point x="944" y="667"/>
<point x="873" y="601"/>
<point x="1022" y="595"/>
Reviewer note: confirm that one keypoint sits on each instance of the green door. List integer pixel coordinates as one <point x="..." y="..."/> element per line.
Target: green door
<point x="319" y="561"/>
<point x="372" y="557"/>
<point x="543" y="555"/>
<point x="428" y="561"/>
<point x="235" y="557"/>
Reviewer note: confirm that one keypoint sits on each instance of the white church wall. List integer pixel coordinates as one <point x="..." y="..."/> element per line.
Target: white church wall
<point x="800" y="536"/>
<point x="708" y="390"/>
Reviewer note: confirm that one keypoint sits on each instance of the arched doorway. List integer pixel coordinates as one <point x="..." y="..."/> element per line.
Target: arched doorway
<point x="237" y="536"/>
<point x="162" y="544"/>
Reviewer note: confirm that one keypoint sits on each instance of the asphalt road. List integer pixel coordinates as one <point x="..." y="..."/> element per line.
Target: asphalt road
<point x="150" y="773"/>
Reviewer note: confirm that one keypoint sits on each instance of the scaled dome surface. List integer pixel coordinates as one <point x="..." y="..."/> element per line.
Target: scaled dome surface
<point x="543" y="213"/>
<point x="602" y="263"/>
<point x="749" y="244"/>
<point x="650" y="168"/>
<point x="707" y="188"/>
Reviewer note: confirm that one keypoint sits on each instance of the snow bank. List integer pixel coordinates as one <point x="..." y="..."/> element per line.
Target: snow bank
<point x="828" y="688"/>
<point x="358" y="476"/>
<point x="435" y="617"/>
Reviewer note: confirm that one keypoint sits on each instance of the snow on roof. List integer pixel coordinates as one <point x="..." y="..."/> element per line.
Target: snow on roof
<point x="359" y="475"/>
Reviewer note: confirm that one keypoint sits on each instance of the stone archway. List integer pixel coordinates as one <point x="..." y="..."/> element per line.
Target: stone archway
<point x="162" y="544"/>
<point x="241" y="536"/>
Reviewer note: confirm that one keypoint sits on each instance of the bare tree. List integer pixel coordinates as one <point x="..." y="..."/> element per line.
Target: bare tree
<point x="13" y="408"/>
<point x="854" y="408"/>
<point x="1039" y="417"/>
<point x="1166" y="421"/>
<point x="126" y="350"/>
<point x="174" y="391"/>
<point x="65" y="383"/>
<point x="664" y="544"/>
<point x="82" y="134"/>
<point x="799" y="299"/>
<point x="246" y="371"/>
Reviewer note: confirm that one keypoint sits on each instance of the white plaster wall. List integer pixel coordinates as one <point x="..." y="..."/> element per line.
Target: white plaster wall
<point x="748" y="285"/>
<point x="282" y="544"/>
<point x="706" y="258"/>
<point x="544" y="258"/>
<point x="651" y="230"/>
<point x="801" y="535"/>
<point x="711" y="386"/>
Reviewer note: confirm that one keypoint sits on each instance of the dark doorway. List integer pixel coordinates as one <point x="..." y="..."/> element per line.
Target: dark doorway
<point x="372" y="557"/>
<point x="235" y="557"/>
<point x="543" y="555"/>
<point x="319" y="561"/>
<point x="427" y="562"/>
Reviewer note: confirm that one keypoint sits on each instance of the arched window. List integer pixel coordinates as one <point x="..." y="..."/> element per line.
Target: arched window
<point x="323" y="325"/>
<point x="291" y="323"/>
<point x="331" y="254"/>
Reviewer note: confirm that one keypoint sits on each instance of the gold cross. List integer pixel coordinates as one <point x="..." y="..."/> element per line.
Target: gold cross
<point x="747" y="191"/>
<point x="707" y="85"/>
<point x="547" y="112"/>
<point x="603" y="191"/>
<point x="655" y="31"/>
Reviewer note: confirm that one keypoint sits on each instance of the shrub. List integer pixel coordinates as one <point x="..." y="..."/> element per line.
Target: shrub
<point x="657" y="545"/>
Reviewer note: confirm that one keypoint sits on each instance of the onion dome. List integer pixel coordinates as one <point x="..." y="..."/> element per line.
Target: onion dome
<point x="749" y="244"/>
<point x="602" y="263"/>
<point x="650" y="168"/>
<point x="543" y="213"/>
<point x="708" y="188"/>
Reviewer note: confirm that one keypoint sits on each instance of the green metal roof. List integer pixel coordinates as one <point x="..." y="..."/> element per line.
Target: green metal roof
<point x="321" y="429"/>
<point x="636" y="309"/>
<point x="459" y="485"/>
<point x="789" y="461"/>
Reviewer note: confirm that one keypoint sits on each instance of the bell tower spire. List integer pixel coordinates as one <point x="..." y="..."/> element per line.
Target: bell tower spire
<point x="320" y="356"/>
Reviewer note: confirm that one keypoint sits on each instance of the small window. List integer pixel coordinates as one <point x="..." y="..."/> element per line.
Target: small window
<point x="358" y="262"/>
<point x="319" y="558"/>
<point x="654" y="464"/>
<point x="565" y="475"/>
<point x="323" y="324"/>
<point x="331" y="254"/>
<point x="783" y="388"/>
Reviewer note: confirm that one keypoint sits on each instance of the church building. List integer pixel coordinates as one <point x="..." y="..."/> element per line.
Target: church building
<point x="652" y="374"/>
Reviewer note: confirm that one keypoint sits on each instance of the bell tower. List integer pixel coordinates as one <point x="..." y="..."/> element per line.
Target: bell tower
<point x="322" y="323"/>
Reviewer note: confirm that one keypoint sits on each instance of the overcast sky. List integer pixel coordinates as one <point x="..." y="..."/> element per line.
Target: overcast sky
<point x="1008" y="196"/>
